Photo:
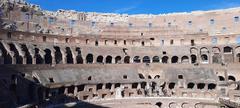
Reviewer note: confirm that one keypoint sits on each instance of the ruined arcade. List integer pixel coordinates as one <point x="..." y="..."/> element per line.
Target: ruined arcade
<point x="87" y="59"/>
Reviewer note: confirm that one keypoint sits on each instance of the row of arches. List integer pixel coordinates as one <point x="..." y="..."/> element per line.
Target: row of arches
<point x="21" y="54"/>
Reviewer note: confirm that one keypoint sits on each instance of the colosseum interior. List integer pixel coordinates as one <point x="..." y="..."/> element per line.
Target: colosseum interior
<point x="103" y="60"/>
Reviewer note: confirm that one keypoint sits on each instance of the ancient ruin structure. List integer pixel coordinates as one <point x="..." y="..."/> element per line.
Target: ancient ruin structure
<point x="69" y="58"/>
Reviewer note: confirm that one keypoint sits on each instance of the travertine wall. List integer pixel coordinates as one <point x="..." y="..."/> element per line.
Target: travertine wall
<point x="94" y="56"/>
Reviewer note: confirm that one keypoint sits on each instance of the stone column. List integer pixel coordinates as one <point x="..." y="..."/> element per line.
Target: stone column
<point x="75" y="90"/>
<point x="66" y="91"/>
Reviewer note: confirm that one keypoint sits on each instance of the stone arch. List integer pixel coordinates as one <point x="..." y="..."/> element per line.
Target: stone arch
<point x="193" y="50"/>
<point x="185" y="105"/>
<point x="228" y="54"/>
<point x="165" y="59"/>
<point x="108" y="59"/>
<point x="185" y="59"/>
<point x="204" y="58"/>
<point x="204" y="50"/>
<point x="221" y="78"/>
<point x="146" y="59"/>
<point x="69" y="55"/>
<point x="99" y="86"/>
<point x="157" y="77"/>
<point x="190" y="85"/>
<point x="231" y="78"/>
<point x="17" y="56"/>
<point x="171" y="85"/>
<point x="216" y="58"/>
<point x="172" y="105"/>
<point x="237" y="52"/>
<point x="118" y="59"/>
<point x="143" y="85"/>
<point x="193" y="59"/>
<point x="174" y="59"/>
<point x="29" y="59"/>
<point x="58" y="55"/>
<point x="7" y="58"/>
<point x="200" y="85"/>
<point x="79" y="58"/>
<point x="127" y="59"/>
<point x="149" y="77"/>
<point x="159" y="104"/>
<point x="198" y="105"/>
<point x="109" y="86"/>
<point x="155" y="59"/>
<point x="204" y="55"/>
<point x="39" y="59"/>
<point x="48" y="56"/>
<point x="136" y="59"/>
<point x="227" y="49"/>
<point x="100" y="59"/>
<point x="211" y="86"/>
<point x="141" y="76"/>
<point x="89" y="58"/>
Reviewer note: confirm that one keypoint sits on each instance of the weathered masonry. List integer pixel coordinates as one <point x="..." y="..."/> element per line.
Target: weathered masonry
<point x="178" y="60"/>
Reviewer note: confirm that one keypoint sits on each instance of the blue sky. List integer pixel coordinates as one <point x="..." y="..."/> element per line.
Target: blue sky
<point x="136" y="6"/>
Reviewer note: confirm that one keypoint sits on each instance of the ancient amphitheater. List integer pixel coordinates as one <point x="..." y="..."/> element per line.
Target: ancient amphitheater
<point x="102" y="60"/>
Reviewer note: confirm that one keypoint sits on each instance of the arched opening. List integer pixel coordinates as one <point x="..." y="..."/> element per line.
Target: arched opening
<point x="141" y="76"/>
<point x="99" y="86"/>
<point x="231" y="78"/>
<point x="200" y="86"/>
<point x="155" y="59"/>
<point x="109" y="59"/>
<point x="117" y="85"/>
<point x="100" y="59"/>
<point x="39" y="59"/>
<point x="159" y="104"/>
<point x="58" y="55"/>
<point x="227" y="49"/>
<point x="216" y="58"/>
<point x="193" y="59"/>
<point x="143" y="85"/>
<point x="211" y="86"/>
<point x="69" y="56"/>
<point x="228" y="54"/>
<point x="19" y="59"/>
<point x="134" y="85"/>
<point x="221" y="78"/>
<point x="118" y="59"/>
<point x="136" y="59"/>
<point x="146" y="59"/>
<point x="204" y="58"/>
<point x="89" y="59"/>
<point x="27" y="54"/>
<point x="171" y="85"/>
<point x="47" y="56"/>
<point x="185" y="59"/>
<point x="71" y="89"/>
<point x="108" y="86"/>
<point x="79" y="58"/>
<point x="174" y="59"/>
<point x="190" y="85"/>
<point x="157" y="77"/>
<point x="127" y="59"/>
<point x="149" y="77"/>
<point x="165" y="59"/>
<point x="238" y="57"/>
<point x="7" y="59"/>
